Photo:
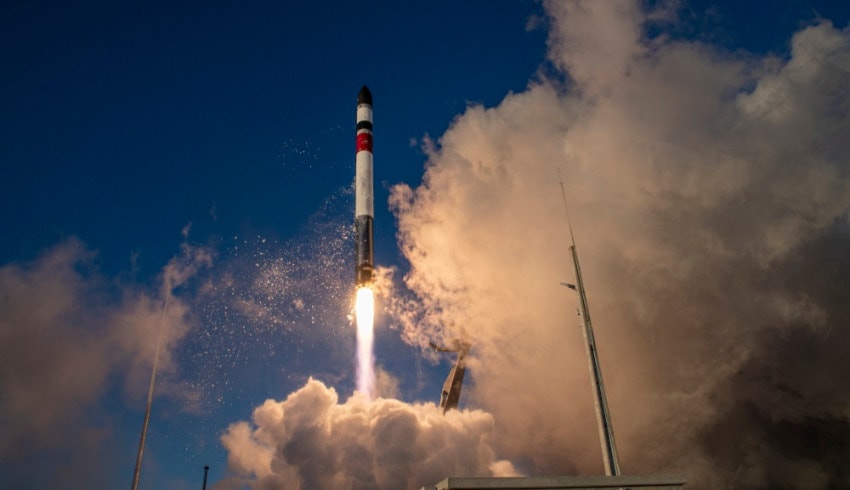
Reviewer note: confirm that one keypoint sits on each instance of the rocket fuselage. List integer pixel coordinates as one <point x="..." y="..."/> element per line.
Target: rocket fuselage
<point x="364" y="197"/>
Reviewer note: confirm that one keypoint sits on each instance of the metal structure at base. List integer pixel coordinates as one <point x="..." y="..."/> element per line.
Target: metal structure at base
<point x="561" y="482"/>
<point x="450" y="396"/>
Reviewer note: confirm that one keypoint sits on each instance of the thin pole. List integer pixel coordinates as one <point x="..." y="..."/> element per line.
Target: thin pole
<point x="603" y="416"/>
<point x="137" y="472"/>
<point x="206" y="469"/>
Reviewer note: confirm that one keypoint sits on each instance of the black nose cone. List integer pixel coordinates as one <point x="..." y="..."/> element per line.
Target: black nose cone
<point x="364" y="97"/>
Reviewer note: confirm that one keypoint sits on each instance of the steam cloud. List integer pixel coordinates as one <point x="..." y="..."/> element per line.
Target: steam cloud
<point x="311" y="440"/>
<point x="64" y="338"/>
<point x="709" y="192"/>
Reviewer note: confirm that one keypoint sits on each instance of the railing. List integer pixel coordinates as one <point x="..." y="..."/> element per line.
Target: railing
<point x="561" y="482"/>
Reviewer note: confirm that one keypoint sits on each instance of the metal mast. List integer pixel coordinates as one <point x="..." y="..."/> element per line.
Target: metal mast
<point x="140" y="454"/>
<point x="603" y="416"/>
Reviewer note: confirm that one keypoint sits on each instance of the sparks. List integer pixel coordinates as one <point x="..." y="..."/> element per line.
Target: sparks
<point x="364" y="309"/>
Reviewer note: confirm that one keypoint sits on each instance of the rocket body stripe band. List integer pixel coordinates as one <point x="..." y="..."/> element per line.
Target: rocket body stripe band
<point x="364" y="142"/>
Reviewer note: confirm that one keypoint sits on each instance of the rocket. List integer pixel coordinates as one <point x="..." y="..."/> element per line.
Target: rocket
<point x="364" y="195"/>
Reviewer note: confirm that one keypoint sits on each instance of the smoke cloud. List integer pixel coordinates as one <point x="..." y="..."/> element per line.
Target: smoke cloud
<point x="311" y="440"/>
<point x="67" y="334"/>
<point x="709" y="193"/>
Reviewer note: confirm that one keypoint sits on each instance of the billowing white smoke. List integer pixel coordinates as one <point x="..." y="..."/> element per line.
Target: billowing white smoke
<point x="312" y="441"/>
<point x="710" y="194"/>
<point x="64" y="339"/>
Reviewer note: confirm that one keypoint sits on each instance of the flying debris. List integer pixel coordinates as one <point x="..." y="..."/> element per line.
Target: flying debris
<point x="364" y="198"/>
<point x="450" y="395"/>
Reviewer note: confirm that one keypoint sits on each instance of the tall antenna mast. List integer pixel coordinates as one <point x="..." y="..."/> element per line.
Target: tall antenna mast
<point x="140" y="454"/>
<point x="603" y="416"/>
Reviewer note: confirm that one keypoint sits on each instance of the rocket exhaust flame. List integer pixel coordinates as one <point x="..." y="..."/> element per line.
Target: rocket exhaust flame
<point x="364" y="310"/>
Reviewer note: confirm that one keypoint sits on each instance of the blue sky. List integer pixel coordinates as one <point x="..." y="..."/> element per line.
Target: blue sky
<point x="125" y="125"/>
<point x="175" y="110"/>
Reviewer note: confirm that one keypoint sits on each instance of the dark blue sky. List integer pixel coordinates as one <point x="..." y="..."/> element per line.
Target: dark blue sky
<point x="121" y="122"/>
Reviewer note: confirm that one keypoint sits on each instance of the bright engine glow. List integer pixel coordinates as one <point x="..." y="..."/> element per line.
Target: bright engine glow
<point x="364" y="309"/>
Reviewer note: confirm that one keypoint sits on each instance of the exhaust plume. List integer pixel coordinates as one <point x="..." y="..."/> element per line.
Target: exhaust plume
<point x="365" y="318"/>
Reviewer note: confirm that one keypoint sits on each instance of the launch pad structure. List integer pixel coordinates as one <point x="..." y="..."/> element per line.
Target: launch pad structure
<point x="560" y="482"/>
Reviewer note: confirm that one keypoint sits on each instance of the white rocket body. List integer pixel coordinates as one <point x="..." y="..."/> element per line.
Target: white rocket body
<point x="364" y="192"/>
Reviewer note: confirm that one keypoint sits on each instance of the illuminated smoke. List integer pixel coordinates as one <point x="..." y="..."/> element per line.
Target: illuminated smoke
<point x="710" y="194"/>
<point x="70" y="337"/>
<point x="364" y="309"/>
<point x="313" y="440"/>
